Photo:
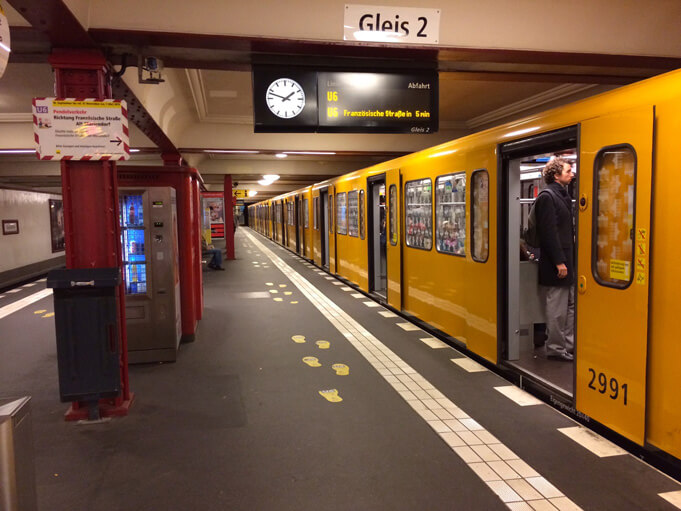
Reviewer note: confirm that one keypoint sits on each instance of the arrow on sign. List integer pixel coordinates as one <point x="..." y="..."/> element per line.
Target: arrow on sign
<point x="117" y="141"/>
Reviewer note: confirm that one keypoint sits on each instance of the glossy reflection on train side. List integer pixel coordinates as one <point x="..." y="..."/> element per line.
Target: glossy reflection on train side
<point x="454" y="215"/>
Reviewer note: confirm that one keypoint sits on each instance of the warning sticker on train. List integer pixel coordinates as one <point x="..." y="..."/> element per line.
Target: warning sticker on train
<point x="81" y="129"/>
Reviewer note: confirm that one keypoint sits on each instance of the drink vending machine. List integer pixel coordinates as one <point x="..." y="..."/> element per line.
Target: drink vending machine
<point x="148" y="218"/>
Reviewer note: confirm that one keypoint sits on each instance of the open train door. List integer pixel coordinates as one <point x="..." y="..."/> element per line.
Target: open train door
<point x="394" y="246"/>
<point x="332" y="229"/>
<point x="612" y="269"/>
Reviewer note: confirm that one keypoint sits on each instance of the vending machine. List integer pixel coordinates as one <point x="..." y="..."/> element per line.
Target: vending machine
<point x="148" y="218"/>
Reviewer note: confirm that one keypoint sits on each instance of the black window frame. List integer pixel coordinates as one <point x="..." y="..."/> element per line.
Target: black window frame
<point x="465" y="216"/>
<point x="594" y="224"/>
<point x="432" y="238"/>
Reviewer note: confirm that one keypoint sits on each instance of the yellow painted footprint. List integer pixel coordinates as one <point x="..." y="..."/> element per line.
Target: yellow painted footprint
<point x="41" y="311"/>
<point x="273" y="291"/>
<point x="331" y="395"/>
<point x="278" y="299"/>
<point x="294" y="302"/>
<point x="341" y="369"/>
<point x="268" y="284"/>
<point x="323" y="345"/>
<point x="298" y="338"/>
<point x="48" y="315"/>
<point x="312" y="361"/>
<point x="287" y="293"/>
<point x="282" y="285"/>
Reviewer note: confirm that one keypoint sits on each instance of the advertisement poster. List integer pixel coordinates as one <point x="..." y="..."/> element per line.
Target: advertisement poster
<point x="215" y="202"/>
<point x="57" y="224"/>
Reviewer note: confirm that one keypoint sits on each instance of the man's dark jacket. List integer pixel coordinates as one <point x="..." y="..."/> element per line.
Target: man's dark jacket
<point x="556" y="235"/>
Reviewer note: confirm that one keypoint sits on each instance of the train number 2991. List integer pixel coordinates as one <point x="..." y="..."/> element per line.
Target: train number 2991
<point x="602" y="384"/>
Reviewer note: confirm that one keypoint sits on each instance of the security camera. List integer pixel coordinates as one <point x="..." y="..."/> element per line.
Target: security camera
<point x="149" y="69"/>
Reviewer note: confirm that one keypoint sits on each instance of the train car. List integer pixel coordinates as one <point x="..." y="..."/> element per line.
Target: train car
<point x="437" y="235"/>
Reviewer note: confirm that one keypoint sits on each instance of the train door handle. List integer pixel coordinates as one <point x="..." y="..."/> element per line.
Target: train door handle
<point x="581" y="284"/>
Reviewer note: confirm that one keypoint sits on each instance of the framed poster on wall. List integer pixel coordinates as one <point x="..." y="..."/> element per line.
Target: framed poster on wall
<point x="57" y="225"/>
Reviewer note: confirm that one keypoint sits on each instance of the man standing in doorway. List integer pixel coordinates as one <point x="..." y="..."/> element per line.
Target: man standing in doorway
<point x="556" y="262"/>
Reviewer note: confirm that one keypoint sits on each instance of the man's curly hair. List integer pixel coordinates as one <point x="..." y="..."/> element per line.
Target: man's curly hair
<point x="553" y="167"/>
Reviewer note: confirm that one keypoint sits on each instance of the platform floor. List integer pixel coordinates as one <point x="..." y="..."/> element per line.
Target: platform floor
<point x="245" y="421"/>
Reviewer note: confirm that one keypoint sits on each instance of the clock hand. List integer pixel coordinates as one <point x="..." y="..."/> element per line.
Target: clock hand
<point x="277" y="95"/>
<point x="289" y="96"/>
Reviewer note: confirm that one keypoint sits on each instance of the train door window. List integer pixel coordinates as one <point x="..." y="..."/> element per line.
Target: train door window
<point x="615" y="182"/>
<point x="392" y="206"/>
<point x="341" y="211"/>
<point x="306" y="214"/>
<point x="315" y="213"/>
<point x="418" y="211"/>
<point x="353" y="214"/>
<point x="331" y="213"/>
<point x="361" y="214"/>
<point x="480" y="215"/>
<point x="450" y="214"/>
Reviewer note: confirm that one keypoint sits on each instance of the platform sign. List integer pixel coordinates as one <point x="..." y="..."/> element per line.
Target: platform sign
<point x="391" y="25"/>
<point x="4" y="41"/>
<point x="81" y="129"/>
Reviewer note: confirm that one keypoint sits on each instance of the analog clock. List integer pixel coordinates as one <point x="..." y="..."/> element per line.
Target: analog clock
<point x="285" y="98"/>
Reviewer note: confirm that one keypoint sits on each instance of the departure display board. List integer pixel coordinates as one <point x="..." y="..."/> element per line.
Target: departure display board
<point x="299" y="100"/>
<point x="377" y="102"/>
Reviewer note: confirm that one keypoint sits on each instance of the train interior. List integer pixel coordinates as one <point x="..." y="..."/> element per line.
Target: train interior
<point x="524" y="347"/>
<point x="377" y="238"/>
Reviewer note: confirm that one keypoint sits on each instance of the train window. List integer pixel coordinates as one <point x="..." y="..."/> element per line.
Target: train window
<point x="361" y="214"/>
<point x="419" y="213"/>
<point x="341" y="211"/>
<point x="315" y="220"/>
<point x="306" y="214"/>
<point x="392" y="209"/>
<point x="291" y="214"/>
<point x="353" y="214"/>
<point x="450" y="214"/>
<point x="614" y="199"/>
<point x="480" y="215"/>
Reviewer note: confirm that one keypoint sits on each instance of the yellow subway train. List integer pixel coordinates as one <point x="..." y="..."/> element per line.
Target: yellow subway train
<point x="436" y="235"/>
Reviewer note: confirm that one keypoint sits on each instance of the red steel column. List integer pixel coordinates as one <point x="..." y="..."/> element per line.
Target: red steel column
<point x="90" y="195"/>
<point x="198" y="273"/>
<point x="186" y="241"/>
<point x="229" y="217"/>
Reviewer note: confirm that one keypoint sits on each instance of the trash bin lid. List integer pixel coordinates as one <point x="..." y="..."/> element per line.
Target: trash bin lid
<point x="10" y="406"/>
<point x="84" y="277"/>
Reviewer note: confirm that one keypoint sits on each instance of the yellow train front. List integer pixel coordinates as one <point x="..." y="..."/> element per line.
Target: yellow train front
<point x="437" y="235"/>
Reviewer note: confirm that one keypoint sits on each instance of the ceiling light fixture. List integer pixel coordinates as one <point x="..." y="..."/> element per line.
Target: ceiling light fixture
<point x="231" y="151"/>
<point x="281" y="155"/>
<point x="17" y="151"/>
<point x="268" y="179"/>
<point x="252" y="193"/>
<point x="327" y="153"/>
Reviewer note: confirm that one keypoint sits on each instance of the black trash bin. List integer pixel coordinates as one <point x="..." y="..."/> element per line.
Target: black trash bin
<point x="86" y="318"/>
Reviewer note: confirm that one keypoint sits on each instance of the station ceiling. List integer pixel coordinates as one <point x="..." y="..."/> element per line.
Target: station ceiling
<point x="204" y="108"/>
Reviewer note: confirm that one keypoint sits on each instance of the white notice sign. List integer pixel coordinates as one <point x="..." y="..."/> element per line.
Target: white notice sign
<point x="383" y="24"/>
<point x="4" y="41"/>
<point x="87" y="129"/>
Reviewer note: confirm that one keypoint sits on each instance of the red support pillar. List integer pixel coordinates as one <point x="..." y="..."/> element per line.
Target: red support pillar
<point x="198" y="279"/>
<point x="187" y="244"/>
<point x="90" y="194"/>
<point x="229" y="218"/>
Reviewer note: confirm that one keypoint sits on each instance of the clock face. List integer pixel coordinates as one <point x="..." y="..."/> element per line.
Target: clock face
<point x="285" y="98"/>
